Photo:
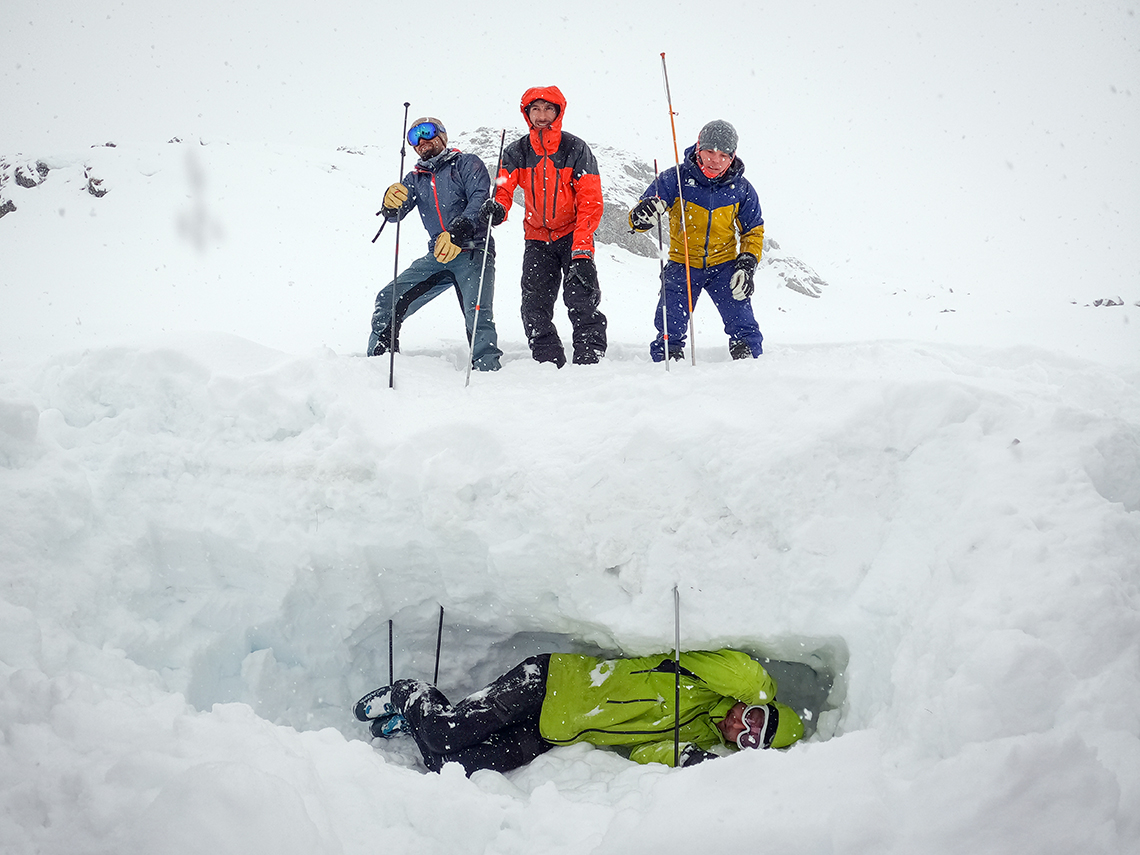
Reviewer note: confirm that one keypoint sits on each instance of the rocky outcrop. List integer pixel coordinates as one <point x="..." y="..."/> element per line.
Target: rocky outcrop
<point x="30" y="174"/>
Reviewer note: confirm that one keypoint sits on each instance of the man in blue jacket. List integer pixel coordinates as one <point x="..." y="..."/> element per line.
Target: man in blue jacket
<point x="716" y="203"/>
<point x="448" y="187"/>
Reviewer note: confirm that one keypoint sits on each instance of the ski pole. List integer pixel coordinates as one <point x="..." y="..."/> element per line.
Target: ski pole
<point x="396" y="274"/>
<point x="681" y="199"/>
<point x="438" y="646"/>
<point x="391" y="674"/>
<point x="677" y="678"/>
<point x="661" y="262"/>
<point x="483" y="269"/>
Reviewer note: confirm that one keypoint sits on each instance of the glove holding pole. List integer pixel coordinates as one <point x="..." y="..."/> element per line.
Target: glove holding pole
<point x="493" y="213"/>
<point x="394" y="197"/>
<point x="647" y="212"/>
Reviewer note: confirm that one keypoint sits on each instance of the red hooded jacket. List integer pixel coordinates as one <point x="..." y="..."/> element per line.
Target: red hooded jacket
<point x="559" y="179"/>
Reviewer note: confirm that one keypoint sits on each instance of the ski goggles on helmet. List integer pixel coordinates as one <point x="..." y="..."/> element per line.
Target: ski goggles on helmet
<point x="423" y="131"/>
<point x="760" y="723"/>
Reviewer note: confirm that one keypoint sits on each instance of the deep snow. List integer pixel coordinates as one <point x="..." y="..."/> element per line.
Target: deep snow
<point x="213" y="504"/>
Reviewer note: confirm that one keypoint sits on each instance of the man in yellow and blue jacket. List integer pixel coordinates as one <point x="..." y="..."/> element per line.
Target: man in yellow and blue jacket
<point x="716" y="203"/>
<point x="726" y="699"/>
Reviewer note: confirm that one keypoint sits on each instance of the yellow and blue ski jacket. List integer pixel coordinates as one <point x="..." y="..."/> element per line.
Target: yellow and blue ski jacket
<point x="716" y="210"/>
<point x="630" y="702"/>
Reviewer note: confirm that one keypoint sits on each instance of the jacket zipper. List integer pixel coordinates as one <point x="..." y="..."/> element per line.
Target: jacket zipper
<point x="435" y="194"/>
<point x="544" y="161"/>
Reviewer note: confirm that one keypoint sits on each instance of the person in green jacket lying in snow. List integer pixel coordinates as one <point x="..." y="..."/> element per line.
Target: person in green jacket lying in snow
<point x="727" y="699"/>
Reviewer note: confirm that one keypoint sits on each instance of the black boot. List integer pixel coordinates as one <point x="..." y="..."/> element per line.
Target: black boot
<point x="589" y="356"/>
<point x="389" y="726"/>
<point x="383" y="341"/>
<point x="376" y="704"/>
<point x="739" y="349"/>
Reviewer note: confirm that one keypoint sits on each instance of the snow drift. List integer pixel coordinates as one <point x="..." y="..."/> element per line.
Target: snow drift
<point x="210" y="517"/>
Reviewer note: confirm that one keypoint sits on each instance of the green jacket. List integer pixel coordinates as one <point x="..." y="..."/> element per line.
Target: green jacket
<point x="630" y="702"/>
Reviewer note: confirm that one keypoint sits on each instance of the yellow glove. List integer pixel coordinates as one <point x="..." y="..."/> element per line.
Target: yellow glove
<point x="445" y="250"/>
<point x="395" y="196"/>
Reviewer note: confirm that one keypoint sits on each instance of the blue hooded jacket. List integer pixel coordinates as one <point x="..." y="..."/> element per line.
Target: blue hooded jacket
<point x="717" y="211"/>
<point x="449" y="186"/>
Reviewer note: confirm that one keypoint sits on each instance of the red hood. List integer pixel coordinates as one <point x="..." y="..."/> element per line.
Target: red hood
<point x="549" y="141"/>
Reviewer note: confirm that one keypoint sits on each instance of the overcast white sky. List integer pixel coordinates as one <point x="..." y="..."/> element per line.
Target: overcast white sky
<point x="915" y="143"/>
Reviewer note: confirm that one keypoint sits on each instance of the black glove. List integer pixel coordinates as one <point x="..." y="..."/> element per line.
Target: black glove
<point x="583" y="273"/>
<point x="691" y="756"/>
<point x="742" y="281"/>
<point x="462" y="232"/>
<point x="492" y="212"/>
<point x="645" y="213"/>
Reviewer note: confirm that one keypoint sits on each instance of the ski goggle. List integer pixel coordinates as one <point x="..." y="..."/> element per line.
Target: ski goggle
<point x="760" y="724"/>
<point x="423" y="131"/>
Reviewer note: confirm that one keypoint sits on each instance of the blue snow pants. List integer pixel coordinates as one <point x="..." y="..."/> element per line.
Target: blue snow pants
<point x="739" y="322"/>
<point x="423" y="281"/>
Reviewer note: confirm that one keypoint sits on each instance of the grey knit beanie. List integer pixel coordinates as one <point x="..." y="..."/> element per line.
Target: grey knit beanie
<point x="717" y="135"/>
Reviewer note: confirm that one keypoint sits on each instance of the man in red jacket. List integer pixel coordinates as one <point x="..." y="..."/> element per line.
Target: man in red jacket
<point x="559" y="179"/>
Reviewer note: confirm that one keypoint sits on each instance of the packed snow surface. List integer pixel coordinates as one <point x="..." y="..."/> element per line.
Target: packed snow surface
<point x="213" y="504"/>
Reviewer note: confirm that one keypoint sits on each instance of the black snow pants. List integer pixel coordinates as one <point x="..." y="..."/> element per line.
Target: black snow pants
<point x="544" y="268"/>
<point x="495" y="728"/>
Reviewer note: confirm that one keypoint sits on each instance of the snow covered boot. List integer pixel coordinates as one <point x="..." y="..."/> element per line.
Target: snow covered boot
<point x="375" y="705"/>
<point x="588" y="356"/>
<point x="388" y="726"/>
<point x="739" y="349"/>
<point x="382" y="341"/>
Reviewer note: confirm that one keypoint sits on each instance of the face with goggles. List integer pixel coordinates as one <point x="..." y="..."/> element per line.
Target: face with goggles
<point x="427" y="138"/>
<point x="750" y="726"/>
